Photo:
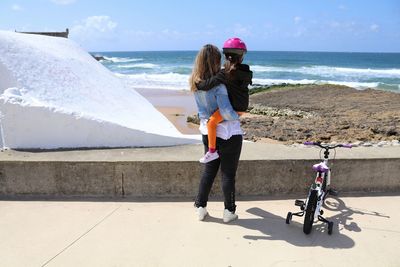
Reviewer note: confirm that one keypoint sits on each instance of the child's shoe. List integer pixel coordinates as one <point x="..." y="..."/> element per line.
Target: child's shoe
<point x="201" y="213"/>
<point x="209" y="157"/>
<point x="229" y="216"/>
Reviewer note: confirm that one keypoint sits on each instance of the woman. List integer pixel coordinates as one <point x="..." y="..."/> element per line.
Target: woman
<point x="229" y="133"/>
<point x="236" y="77"/>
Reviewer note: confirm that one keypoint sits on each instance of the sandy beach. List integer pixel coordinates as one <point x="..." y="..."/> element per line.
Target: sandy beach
<point x="175" y="105"/>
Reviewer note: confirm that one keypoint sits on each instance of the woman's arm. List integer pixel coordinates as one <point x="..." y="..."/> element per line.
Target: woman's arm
<point x="224" y="105"/>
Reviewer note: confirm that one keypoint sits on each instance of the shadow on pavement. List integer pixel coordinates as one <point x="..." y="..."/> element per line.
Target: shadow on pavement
<point x="343" y="218"/>
<point x="274" y="227"/>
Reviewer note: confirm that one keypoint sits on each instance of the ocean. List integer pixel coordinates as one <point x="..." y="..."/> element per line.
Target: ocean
<point x="171" y="69"/>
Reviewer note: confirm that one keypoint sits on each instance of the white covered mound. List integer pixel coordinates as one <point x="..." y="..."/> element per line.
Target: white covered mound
<point x="53" y="94"/>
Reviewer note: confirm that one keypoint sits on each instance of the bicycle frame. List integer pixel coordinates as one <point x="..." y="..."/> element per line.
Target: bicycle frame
<point x="321" y="183"/>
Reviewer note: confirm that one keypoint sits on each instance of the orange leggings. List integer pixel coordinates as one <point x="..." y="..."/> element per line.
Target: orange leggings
<point x="212" y="128"/>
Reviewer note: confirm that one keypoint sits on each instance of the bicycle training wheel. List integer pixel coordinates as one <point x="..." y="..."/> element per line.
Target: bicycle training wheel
<point x="310" y="210"/>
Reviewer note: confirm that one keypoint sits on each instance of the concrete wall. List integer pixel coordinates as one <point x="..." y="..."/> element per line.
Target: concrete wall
<point x="180" y="179"/>
<point x="53" y="34"/>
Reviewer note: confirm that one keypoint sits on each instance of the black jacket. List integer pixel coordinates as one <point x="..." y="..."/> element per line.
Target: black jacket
<point x="236" y="82"/>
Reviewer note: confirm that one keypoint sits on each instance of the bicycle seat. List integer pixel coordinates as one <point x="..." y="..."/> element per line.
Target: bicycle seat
<point x="320" y="167"/>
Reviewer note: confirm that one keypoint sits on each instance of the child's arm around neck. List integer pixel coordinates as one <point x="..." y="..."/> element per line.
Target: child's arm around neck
<point x="213" y="81"/>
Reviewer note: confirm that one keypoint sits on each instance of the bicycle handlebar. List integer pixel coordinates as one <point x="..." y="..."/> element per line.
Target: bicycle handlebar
<point x="327" y="146"/>
<point x="309" y="143"/>
<point x="347" y="145"/>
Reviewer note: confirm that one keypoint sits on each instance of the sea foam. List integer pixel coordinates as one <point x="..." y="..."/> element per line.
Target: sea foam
<point x="331" y="71"/>
<point x="122" y="59"/>
<point x="170" y="81"/>
<point x="358" y="85"/>
<point x="138" y="65"/>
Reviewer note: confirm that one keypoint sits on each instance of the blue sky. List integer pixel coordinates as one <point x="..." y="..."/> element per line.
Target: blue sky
<point x="285" y="25"/>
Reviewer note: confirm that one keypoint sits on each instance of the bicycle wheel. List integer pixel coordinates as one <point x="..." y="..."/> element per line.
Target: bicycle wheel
<point x="310" y="210"/>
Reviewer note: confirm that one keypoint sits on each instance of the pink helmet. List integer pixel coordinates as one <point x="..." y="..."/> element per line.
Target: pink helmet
<point x="234" y="46"/>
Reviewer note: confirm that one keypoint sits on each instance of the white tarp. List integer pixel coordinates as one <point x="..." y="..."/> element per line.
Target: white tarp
<point x="53" y="94"/>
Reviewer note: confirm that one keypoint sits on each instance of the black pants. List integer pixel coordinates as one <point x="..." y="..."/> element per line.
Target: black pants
<point x="229" y="153"/>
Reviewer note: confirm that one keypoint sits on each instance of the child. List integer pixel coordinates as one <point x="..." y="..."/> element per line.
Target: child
<point x="237" y="77"/>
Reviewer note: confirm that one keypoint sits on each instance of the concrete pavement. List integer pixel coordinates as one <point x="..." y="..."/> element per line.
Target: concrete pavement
<point x="130" y="233"/>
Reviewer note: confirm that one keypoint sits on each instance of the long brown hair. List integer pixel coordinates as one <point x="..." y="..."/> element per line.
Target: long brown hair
<point x="206" y="64"/>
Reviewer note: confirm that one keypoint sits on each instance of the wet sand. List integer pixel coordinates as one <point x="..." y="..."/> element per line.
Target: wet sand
<point x="176" y="106"/>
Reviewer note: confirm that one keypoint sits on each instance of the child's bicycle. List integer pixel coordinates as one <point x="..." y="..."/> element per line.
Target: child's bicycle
<point x="318" y="192"/>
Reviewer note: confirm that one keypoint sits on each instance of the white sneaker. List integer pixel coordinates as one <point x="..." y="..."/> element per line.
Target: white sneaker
<point x="209" y="157"/>
<point x="201" y="213"/>
<point x="229" y="216"/>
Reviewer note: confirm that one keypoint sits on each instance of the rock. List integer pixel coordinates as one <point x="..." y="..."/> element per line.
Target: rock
<point x="375" y="130"/>
<point x="382" y="143"/>
<point x="357" y="116"/>
<point x="277" y="112"/>
<point x="391" y="131"/>
<point x="193" y="119"/>
<point x="358" y="143"/>
<point x="325" y="137"/>
<point x="98" y="58"/>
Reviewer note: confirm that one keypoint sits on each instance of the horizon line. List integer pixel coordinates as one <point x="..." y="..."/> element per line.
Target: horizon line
<point x="280" y="51"/>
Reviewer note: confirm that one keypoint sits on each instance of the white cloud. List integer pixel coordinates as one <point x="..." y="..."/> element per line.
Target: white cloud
<point x="297" y="20"/>
<point x="16" y="7"/>
<point x="241" y="30"/>
<point x="342" y="7"/>
<point x="96" y="24"/>
<point x="374" y="27"/>
<point x="301" y="31"/>
<point x="93" y="28"/>
<point x="63" y="2"/>
<point x="170" y="33"/>
<point x="347" y="26"/>
<point x="268" y="30"/>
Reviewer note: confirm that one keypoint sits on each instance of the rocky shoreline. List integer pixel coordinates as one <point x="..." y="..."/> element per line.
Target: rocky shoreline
<point x="326" y="113"/>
